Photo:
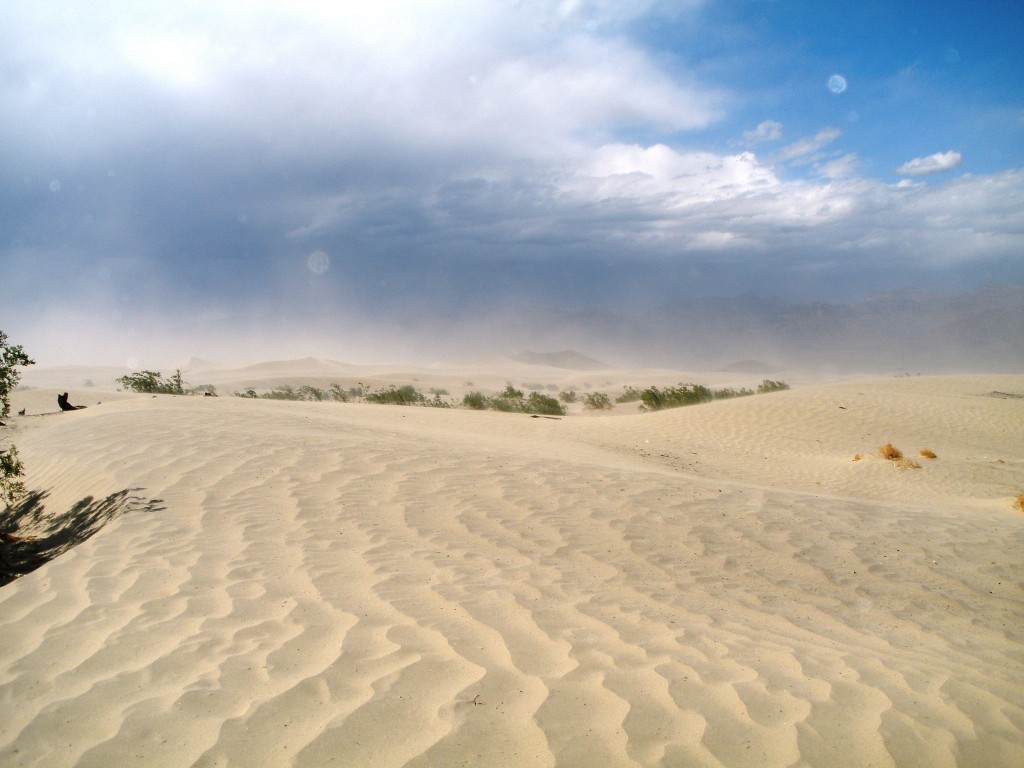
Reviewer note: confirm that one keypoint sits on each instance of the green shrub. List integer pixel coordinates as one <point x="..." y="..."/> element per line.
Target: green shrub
<point x="597" y="401"/>
<point x="507" y="404"/>
<point x="655" y="399"/>
<point x="403" y="395"/>
<point x="149" y="382"/>
<point x="338" y="394"/>
<point x="509" y="400"/>
<point x="771" y="386"/>
<point x="282" y="392"/>
<point x="12" y="356"/>
<point x="12" y="488"/>
<point x="726" y="394"/>
<point x="544" y="405"/>
<point x="249" y="393"/>
<point x="312" y="394"/>
<point x="475" y="400"/>
<point x="569" y="396"/>
<point x="629" y="395"/>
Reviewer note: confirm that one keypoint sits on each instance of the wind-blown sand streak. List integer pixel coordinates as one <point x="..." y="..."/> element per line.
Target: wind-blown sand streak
<point x="382" y="586"/>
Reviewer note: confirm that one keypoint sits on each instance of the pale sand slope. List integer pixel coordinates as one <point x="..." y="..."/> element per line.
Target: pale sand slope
<point x="364" y="585"/>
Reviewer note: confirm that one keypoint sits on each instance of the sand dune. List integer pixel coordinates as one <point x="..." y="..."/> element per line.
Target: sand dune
<point x="322" y="583"/>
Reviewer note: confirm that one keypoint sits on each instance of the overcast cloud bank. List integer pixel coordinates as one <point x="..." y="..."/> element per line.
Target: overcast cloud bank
<point x="317" y="168"/>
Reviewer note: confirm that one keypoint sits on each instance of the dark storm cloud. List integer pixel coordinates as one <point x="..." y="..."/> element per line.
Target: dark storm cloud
<point x="441" y="158"/>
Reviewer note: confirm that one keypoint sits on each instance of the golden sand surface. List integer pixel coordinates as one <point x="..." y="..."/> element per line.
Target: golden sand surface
<point x="292" y="583"/>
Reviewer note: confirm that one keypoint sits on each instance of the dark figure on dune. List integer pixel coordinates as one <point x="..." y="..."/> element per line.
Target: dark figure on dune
<point x="62" y="401"/>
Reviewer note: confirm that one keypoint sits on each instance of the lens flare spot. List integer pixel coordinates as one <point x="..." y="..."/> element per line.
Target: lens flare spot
<point x="318" y="262"/>
<point x="837" y="83"/>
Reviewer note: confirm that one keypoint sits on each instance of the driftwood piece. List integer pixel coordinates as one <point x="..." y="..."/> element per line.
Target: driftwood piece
<point x="62" y="401"/>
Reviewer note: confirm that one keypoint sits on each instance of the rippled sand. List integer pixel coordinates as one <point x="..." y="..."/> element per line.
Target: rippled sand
<point x="349" y="584"/>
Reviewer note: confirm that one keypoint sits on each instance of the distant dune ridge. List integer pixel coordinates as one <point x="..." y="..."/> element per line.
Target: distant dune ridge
<point x="296" y="583"/>
<point x="566" y="359"/>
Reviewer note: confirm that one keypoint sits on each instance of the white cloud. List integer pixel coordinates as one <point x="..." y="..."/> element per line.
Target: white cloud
<point x="769" y="130"/>
<point x="666" y="178"/>
<point x="807" y="149"/>
<point x="841" y="167"/>
<point x="937" y="163"/>
<point x="327" y="78"/>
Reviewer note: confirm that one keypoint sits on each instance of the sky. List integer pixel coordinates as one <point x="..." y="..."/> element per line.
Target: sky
<point x="241" y="179"/>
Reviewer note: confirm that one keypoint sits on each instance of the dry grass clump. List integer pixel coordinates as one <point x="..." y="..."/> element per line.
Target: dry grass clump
<point x="857" y="457"/>
<point x="1019" y="503"/>
<point x="927" y="454"/>
<point x="895" y="455"/>
<point x="890" y="452"/>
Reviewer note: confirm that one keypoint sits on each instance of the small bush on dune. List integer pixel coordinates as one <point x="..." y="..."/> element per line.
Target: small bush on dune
<point x="311" y="393"/>
<point x="511" y="400"/>
<point x="728" y="393"/>
<point x="544" y="405"/>
<point x="771" y="386"/>
<point x="506" y="404"/>
<point x="655" y="399"/>
<point x="597" y="401"/>
<point x="149" y="382"/>
<point x="568" y="396"/>
<point x="927" y="454"/>
<point x="629" y="395"/>
<point x="282" y="392"/>
<point x="1019" y="503"/>
<point x="475" y="401"/>
<point x="403" y="395"/>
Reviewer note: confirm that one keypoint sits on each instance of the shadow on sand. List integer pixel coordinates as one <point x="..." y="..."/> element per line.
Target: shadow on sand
<point x="30" y="537"/>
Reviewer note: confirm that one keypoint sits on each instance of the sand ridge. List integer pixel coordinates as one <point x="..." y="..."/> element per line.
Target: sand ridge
<point x="375" y="585"/>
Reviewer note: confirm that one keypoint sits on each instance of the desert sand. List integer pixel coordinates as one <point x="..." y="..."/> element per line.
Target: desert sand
<point x="285" y="583"/>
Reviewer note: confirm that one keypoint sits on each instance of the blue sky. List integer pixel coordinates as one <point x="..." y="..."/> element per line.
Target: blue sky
<point x="236" y="180"/>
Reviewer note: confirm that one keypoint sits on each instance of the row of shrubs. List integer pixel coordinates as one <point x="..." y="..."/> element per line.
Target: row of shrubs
<point x="305" y="392"/>
<point x="510" y="400"/>
<point x="655" y="399"/>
